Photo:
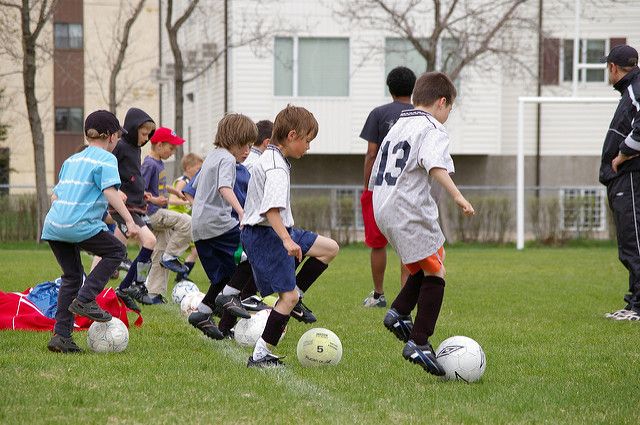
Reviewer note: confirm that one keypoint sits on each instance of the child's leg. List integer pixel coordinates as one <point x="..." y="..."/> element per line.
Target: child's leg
<point x="112" y="252"/>
<point x="229" y="298"/>
<point x="216" y="255"/>
<point x="180" y="235"/>
<point x="141" y="264"/>
<point x="277" y="321"/>
<point x="407" y="299"/>
<point x="68" y="256"/>
<point x="429" y="303"/>
<point x="320" y="253"/>
<point x="158" y="275"/>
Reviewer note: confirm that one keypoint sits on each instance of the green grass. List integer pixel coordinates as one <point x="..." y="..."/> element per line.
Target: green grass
<point x="551" y="357"/>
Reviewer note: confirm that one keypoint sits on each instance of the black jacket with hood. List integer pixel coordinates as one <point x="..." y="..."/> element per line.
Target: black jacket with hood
<point x="624" y="130"/>
<point x="127" y="152"/>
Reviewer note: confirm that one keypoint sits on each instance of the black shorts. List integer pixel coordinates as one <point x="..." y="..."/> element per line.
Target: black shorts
<point x="141" y="220"/>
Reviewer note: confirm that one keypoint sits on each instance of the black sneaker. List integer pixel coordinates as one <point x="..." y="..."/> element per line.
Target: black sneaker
<point x="254" y="303"/>
<point x="267" y="361"/>
<point x="203" y="322"/>
<point x="147" y="299"/>
<point x="174" y="265"/>
<point x="136" y="291"/>
<point x="400" y="325"/>
<point x="424" y="356"/>
<point x="90" y="310"/>
<point x="125" y="265"/>
<point x="60" y="344"/>
<point x="228" y="334"/>
<point x="232" y="304"/>
<point x="127" y="300"/>
<point x="302" y="313"/>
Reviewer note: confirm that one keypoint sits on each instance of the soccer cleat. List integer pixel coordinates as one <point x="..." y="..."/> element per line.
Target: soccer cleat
<point x="302" y="313"/>
<point x="90" y="310"/>
<point x="631" y="316"/>
<point x="232" y="304"/>
<point x="115" y="274"/>
<point x="136" y="291"/>
<point x="127" y="300"/>
<point x="61" y="344"/>
<point x="174" y="265"/>
<point x="147" y="299"/>
<point x="371" y="301"/>
<point x="400" y="325"/>
<point x="424" y="356"/>
<point x="125" y="265"/>
<point x="254" y="303"/>
<point x="265" y="362"/>
<point x="203" y="322"/>
<point x="228" y="333"/>
<point x="618" y="314"/>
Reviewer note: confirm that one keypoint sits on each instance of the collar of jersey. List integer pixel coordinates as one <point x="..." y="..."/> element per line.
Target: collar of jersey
<point x="414" y="113"/>
<point x="274" y="148"/>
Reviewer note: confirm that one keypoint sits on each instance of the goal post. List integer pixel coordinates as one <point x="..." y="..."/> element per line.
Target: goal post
<point x="522" y="100"/>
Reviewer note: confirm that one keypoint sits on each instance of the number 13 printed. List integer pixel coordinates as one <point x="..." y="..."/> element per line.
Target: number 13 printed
<point x="401" y="162"/>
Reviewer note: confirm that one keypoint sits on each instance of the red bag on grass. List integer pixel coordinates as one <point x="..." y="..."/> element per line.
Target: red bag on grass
<point x="17" y="312"/>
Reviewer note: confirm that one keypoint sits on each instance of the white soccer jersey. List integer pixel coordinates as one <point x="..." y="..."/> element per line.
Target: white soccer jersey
<point x="403" y="207"/>
<point x="251" y="159"/>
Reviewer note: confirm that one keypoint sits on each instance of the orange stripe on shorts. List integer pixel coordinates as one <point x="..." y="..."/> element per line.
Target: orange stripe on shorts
<point x="431" y="265"/>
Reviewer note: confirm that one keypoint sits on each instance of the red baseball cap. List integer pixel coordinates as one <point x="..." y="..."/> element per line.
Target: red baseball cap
<point x="165" y="134"/>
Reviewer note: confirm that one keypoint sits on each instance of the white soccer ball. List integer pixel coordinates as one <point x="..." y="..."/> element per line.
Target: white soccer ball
<point x="319" y="346"/>
<point x="190" y="303"/>
<point x="108" y="337"/>
<point x="462" y="358"/>
<point x="181" y="289"/>
<point x="248" y="331"/>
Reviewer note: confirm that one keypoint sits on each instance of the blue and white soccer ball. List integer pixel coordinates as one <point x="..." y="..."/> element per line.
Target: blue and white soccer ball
<point x="462" y="359"/>
<point x="181" y="289"/>
<point x="108" y="337"/>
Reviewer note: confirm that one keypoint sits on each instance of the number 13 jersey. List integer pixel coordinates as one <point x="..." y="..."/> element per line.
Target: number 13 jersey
<point x="403" y="207"/>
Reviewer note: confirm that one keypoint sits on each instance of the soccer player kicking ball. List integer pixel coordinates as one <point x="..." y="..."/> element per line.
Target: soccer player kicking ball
<point x="414" y="153"/>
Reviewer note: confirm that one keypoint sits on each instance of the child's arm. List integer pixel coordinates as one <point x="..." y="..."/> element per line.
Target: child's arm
<point x="442" y="176"/>
<point x="178" y="198"/>
<point x="159" y="200"/>
<point x="293" y="249"/>
<point x="116" y="202"/>
<point x="176" y="193"/>
<point x="228" y="195"/>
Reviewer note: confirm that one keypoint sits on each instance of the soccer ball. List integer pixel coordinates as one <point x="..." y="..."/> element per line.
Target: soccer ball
<point x="107" y="337"/>
<point x="248" y="331"/>
<point x="190" y="303"/>
<point x="319" y="346"/>
<point x="181" y="289"/>
<point x="462" y="359"/>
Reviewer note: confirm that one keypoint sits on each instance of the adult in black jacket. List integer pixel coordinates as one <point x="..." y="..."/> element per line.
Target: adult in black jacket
<point x="620" y="170"/>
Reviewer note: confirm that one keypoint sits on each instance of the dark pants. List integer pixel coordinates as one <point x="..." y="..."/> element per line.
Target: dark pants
<point x="624" y="199"/>
<point x="104" y="245"/>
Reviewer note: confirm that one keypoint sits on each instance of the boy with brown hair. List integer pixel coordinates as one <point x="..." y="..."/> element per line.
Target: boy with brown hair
<point x="268" y="237"/>
<point x="88" y="182"/>
<point x="414" y="153"/>
<point x="265" y="128"/>
<point x="216" y="232"/>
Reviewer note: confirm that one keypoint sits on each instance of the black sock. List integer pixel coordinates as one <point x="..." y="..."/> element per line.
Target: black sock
<point x="144" y="256"/>
<point x="241" y="276"/>
<point x="377" y="295"/>
<point x="190" y="265"/>
<point x="249" y="288"/>
<point x="429" y="303"/>
<point x="213" y="291"/>
<point x="274" y="328"/>
<point x="227" y="321"/>
<point x="407" y="299"/>
<point x="310" y="271"/>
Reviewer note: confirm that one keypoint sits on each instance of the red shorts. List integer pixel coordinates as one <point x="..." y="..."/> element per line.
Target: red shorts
<point x="373" y="237"/>
<point x="431" y="265"/>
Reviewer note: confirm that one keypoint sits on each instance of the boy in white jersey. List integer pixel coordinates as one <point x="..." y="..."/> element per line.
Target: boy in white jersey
<point x="268" y="237"/>
<point x="413" y="155"/>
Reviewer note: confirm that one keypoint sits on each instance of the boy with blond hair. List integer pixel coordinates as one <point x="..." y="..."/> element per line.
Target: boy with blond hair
<point x="268" y="236"/>
<point x="415" y="153"/>
<point x="88" y="182"/>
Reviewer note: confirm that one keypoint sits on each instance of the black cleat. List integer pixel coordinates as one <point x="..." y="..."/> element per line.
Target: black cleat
<point x="232" y="304"/>
<point x="266" y="362"/>
<point x="60" y="344"/>
<point x="127" y="300"/>
<point x="424" y="356"/>
<point x="149" y="300"/>
<point x="302" y="313"/>
<point x="400" y="325"/>
<point x="124" y="265"/>
<point x="174" y="265"/>
<point x="203" y="322"/>
<point x="90" y="310"/>
<point x="136" y="291"/>
<point x="254" y="303"/>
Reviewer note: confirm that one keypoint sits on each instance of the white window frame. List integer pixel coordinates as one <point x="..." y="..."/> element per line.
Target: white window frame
<point x="582" y="222"/>
<point x="584" y="66"/>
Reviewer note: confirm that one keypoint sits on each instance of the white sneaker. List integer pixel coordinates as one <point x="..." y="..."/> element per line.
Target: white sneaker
<point x="370" y="301"/>
<point x="617" y="315"/>
<point x="631" y="316"/>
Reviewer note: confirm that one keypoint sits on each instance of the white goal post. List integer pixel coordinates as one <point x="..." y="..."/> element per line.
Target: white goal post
<point x="520" y="153"/>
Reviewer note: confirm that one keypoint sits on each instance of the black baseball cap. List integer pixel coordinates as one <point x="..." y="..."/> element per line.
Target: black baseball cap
<point x="103" y="122"/>
<point x="622" y="55"/>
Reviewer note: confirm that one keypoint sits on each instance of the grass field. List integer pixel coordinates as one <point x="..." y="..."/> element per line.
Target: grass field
<point x="551" y="357"/>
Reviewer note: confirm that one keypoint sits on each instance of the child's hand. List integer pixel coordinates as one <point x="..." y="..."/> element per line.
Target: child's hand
<point x="293" y="249"/>
<point x="465" y="206"/>
<point x="160" y="201"/>
<point x="123" y="196"/>
<point x="132" y="229"/>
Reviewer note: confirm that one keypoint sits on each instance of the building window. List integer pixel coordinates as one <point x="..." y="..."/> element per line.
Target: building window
<point x="68" y="36"/>
<point x="582" y="209"/>
<point x="305" y="66"/>
<point x="590" y="52"/>
<point x="69" y="120"/>
<point x="5" y="169"/>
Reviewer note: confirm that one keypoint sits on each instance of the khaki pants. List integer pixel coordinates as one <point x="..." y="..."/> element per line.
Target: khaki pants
<point x="173" y="236"/>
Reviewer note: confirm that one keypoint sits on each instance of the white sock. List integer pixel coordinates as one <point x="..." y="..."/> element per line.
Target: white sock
<point x="300" y="292"/>
<point x="230" y="290"/>
<point x="168" y="257"/>
<point x="203" y="308"/>
<point x="261" y="350"/>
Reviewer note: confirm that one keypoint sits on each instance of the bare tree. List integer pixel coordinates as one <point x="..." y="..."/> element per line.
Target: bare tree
<point x="33" y="16"/>
<point x="474" y="27"/>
